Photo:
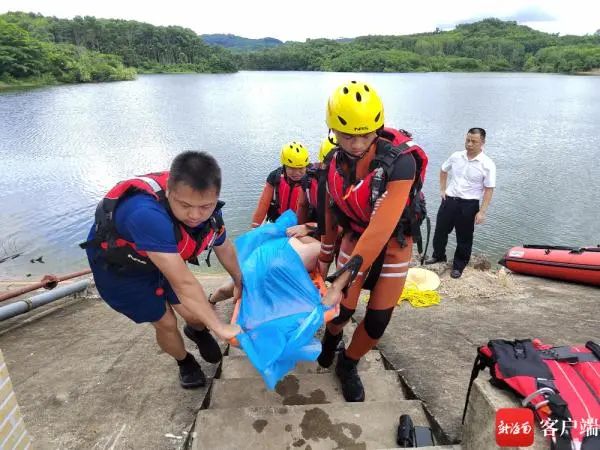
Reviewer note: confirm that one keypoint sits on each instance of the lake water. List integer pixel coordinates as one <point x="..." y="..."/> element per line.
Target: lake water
<point x="62" y="148"/>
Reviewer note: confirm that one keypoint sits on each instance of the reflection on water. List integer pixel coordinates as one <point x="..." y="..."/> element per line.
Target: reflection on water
<point x="62" y="148"/>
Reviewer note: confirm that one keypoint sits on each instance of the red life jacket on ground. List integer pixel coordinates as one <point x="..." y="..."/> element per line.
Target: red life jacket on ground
<point x="121" y="254"/>
<point x="354" y="199"/>
<point x="285" y="194"/>
<point x="560" y="384"/>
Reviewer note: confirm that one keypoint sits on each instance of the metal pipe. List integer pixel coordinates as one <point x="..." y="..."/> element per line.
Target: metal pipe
<point x="22" y="306"/>
<point x="49" y="282"/>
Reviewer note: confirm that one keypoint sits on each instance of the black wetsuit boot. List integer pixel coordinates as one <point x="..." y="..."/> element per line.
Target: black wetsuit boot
<point x="352" y="386"/>
<point x="329" y="345"/>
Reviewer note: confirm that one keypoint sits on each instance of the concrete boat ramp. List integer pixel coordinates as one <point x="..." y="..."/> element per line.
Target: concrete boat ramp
<point x="86" y="377"/>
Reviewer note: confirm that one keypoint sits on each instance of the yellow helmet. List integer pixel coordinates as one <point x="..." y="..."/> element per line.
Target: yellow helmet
<point x="326" y="146"/>
<point x="294" y="155"/>
<point x="354" y="108"/>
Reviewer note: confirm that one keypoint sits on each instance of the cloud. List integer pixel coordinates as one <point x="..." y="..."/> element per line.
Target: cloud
<point x="531" y="14"/>
<point x="528" y="14"/>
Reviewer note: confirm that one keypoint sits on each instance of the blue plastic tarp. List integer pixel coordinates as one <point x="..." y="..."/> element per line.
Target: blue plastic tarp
<point x="281" y="308"/>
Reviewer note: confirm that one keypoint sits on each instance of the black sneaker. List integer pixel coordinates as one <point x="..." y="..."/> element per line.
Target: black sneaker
<point x="191" y="375"/>
<point x="329" y="345"/>
<point x="433" y="260"/>
<point x="352" y="386"/>
<point x="208" y="347"/>
<point x="456" y="273"/>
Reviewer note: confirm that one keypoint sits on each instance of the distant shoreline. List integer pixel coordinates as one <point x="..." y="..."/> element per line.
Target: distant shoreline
<point x="32" y="84"/>
<point x="589" y="72"/>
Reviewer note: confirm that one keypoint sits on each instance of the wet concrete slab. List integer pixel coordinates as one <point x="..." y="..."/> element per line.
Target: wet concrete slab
<point x="87" y="377"/>
<point x="339" y="425"/>
<point x="300" y="389"/>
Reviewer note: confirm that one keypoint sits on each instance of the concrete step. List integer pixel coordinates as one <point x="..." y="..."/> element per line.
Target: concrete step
<point x="300" y="389"/>
<point x="240" y="366"/>
<point x="339" y="425"/>
<point x="480" y="421"/>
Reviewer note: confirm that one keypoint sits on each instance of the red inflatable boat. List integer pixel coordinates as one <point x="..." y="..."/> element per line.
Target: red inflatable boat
<point x="580" y="265"/>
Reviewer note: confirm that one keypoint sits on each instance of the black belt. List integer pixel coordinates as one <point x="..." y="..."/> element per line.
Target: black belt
<point x="466" y="200"/>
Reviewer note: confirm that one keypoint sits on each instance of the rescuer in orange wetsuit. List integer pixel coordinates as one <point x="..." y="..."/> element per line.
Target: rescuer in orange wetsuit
<point x="285" y="187"/>
<point x="373" y="177"/>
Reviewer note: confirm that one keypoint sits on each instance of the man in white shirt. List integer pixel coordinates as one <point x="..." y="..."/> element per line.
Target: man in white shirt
<point x="472" y="179"/>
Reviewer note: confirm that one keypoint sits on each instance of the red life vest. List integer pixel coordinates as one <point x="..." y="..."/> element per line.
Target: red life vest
<point x="560" y="384"/>
<point x="122" y="254"/>
<point x="285" y="194"/>
<point x="354" y="203"/>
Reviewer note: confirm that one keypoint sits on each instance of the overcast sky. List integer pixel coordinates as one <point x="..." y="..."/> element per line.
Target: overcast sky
<point x="301" y="19"/>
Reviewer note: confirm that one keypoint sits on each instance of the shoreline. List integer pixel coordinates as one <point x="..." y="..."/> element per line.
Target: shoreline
<point x="28" y="84"/>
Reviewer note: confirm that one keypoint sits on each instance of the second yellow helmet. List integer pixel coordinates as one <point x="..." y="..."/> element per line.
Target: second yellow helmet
<point x="354" y="108"/>
<point x="326" y="146"/>
<point x="295" y="155"/>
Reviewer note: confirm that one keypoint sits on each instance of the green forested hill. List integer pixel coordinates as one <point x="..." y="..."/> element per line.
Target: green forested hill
<point x="233" y="42"/>
<point x="48" y="49"/>
<point x="488" y="45"/>
<point x="32" y="45"/>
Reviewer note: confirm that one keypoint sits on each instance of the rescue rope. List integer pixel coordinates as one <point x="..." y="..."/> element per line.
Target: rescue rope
<point x="418" y="298"/>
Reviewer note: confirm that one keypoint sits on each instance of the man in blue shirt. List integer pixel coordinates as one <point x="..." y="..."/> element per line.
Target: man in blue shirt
<point x="145" y="231"/>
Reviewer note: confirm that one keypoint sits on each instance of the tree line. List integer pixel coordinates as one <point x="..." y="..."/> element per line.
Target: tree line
<point x="46" y="49"/>
<point x="488" y="45"/>
<point x="49" y="49"/>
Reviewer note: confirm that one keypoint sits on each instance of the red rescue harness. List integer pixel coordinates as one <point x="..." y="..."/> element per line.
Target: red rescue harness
<point x="123" y="254"/>
<point x="355" y="200"/>
<point x="286" y="195"/>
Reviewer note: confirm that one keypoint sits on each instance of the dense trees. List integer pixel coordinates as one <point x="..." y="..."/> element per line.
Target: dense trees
<point x="47" y="49"/>
<point x="488" y="45"/>
<point x="90" y="49"/>
<point x="23" y="57"/>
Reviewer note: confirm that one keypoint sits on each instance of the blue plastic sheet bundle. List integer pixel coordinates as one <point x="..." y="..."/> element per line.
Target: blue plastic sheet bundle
<point x="281" y="308"/>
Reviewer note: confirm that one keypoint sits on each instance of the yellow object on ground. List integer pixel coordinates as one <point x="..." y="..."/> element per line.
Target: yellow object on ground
<point x="420" y="288"/>
<point x="423" y="279"/>
<point x="419" y="298"/>
<point x="13" y="434"/>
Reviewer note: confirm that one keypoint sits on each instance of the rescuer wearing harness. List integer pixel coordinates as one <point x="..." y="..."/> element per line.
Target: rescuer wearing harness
<point x="285" y="187"/>
<point x="145" y="231"/>
<point x="313" y="174"/>
<point x="373" y="178"/>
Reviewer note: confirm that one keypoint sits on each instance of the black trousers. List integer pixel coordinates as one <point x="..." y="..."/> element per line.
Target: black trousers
<point x="456" y="213"/>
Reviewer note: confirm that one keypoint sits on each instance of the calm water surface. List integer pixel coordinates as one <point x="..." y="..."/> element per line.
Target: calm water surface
<point x="62" y="148"/>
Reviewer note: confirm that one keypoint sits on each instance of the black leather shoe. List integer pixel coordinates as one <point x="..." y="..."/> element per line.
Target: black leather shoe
<point x="455" y="273"/>
<point x="208" y="347"/>
<point x="433" y="260"/>
<point x="329" y="345"/>
<point x="191" y="375"/>
<point x="352" y="386"/>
